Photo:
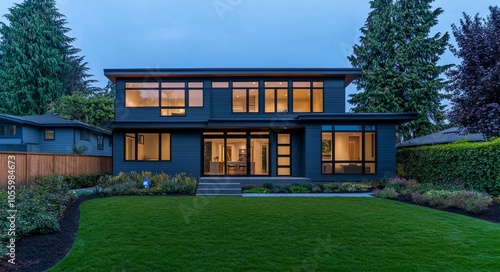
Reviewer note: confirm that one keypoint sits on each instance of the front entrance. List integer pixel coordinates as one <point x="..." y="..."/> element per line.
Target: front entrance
<point x="236" y="153"/>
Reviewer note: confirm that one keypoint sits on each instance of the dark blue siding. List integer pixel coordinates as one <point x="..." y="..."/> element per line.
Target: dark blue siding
<point x="334" y="96"/>
<point x="91" y="144"/>
<point x="312" y="158"/>
<point x="185" y="156"/>
<point x="31" y="135"/>
<point x="298" y="153"/>
<point x="63" y="143"/>
<point x="386" y="150"/>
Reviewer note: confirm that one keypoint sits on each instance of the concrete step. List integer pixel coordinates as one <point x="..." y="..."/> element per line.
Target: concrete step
<point x="219" y="185"/>
<point x="219" y="189"/>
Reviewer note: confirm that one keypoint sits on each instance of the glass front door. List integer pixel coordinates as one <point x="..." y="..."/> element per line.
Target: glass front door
<point x="235" y="153"/>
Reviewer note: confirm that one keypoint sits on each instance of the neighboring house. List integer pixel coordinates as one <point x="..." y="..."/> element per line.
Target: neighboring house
<point x="443" y="137"/>
<point x="51" y="134"/>
<point x="248" y="123"/>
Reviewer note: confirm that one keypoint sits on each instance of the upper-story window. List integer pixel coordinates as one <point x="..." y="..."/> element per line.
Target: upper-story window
<point x="246" y="96"/>
<point x="142" y="94"/>
<point x="307" y="96"/>
<point x="170" y="96"/>
<point x="3" y="130"/>
<point x="173" y="98"/>
<point x="276" y="97"/>
<point x="195" y="94"/>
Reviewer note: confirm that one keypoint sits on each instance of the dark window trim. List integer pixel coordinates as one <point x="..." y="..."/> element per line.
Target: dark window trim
<point x="283" y="156"/>
<point x="248" y="137"/>
<point x="100" y="144"/>
<point x="160" y="145"/>
<point x="363" y="161"/>
<point x="45" y="134"/>
<point x="311" y="95"/>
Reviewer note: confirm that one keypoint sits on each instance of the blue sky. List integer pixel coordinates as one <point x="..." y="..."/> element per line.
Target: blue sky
<point x="227" y="33"/>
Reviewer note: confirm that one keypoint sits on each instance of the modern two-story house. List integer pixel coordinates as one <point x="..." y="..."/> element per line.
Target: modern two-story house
<point x="248" y="123"/>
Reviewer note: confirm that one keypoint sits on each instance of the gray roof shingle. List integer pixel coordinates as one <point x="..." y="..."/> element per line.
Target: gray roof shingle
<point x="442" y="137"/>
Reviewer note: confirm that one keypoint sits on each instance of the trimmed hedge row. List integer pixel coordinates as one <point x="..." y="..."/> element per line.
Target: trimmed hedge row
<point x="476" y="165"/>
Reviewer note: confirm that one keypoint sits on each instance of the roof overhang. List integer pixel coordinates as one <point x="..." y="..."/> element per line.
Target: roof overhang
<point x="349" y="74"/>
<point x="393" y="118"/>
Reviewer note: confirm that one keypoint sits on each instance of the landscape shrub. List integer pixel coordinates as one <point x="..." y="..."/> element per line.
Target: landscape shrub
<point x="256" y="190"/>
<point x="40" y="207"/>
<point x="82" y="181"/>
<point x="298" y="189"/>
<point x="331" y="186"/>
<point x="470" y="201"/>
<point x="354" y="187"/>
<point x="316" y="189"/>
<point x="475" y="165"/>
<point x="387" y="192"/>
<point x="280" y="190"/>
<point x="160" y="184"/>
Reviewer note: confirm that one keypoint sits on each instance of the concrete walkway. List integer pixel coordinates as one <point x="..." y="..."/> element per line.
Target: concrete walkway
<point x="312" y="195"/>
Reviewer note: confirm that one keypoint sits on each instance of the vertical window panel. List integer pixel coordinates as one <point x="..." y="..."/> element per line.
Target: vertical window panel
<point x="239" y="100"/>
<point x="269" y="100"/>
<point x="165" y="147"/>
<point x="196" y="98"/>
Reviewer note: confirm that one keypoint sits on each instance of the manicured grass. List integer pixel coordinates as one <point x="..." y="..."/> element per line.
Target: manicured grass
<point x="277" y="234"/>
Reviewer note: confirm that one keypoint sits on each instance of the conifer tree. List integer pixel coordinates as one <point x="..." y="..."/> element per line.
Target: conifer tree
<point x="38" y="61"/>
<point x="399" y="63"/>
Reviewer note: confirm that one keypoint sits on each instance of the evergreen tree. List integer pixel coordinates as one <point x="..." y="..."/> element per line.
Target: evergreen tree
<point x="475" y="82"/>
<point x="93" y="110"/>
<point x="399" y="63"/>
<point x="38" y="63"/>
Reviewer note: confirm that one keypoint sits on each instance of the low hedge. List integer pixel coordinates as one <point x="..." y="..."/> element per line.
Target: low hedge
<point x="476" y="165"/>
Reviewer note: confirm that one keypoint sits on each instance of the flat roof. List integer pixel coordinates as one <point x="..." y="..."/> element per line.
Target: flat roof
<point x="348" y="73"/>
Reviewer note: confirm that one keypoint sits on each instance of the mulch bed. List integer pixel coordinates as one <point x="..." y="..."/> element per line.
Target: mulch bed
<point x="41" y="252"/>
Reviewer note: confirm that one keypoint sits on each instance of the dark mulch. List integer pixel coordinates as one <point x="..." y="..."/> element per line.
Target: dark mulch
<point x="41" y="252"/>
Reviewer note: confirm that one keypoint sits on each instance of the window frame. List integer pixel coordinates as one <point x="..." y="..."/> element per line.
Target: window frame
<point x="350" y="128"/>
<point x="100" y="142"/>
<point x="137" y="136"/>
<point x="312" y="90"/>
<point x="247" y="90"/>
<point x="53" y="134"/>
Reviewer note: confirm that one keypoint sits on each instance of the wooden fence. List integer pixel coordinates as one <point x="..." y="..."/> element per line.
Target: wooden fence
<point x="29" y="166"/>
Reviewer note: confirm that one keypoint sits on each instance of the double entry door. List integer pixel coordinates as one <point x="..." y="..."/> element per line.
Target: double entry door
<point x="236" y="153"/>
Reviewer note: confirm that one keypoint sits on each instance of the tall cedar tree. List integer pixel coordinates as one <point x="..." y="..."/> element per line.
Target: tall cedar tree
<point x="475" y="82"/>
<point x="38" y="63"/>
<point x="399" y="63"/>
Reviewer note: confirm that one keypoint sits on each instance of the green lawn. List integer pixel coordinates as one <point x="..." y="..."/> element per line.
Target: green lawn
<point x="277" y="234"/>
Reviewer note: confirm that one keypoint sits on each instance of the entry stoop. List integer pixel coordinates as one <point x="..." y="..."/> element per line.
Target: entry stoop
<point x="219" y="189"/>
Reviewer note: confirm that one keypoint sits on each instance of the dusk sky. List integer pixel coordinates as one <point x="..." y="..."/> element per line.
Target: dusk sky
<point x="227" y="33"/>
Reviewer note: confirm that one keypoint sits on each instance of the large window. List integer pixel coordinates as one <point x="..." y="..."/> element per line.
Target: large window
<point x="236" y="153"/>
<point x="147" y="146"/>
<point x="348" y="149"/>
<point x="142" y="94"/>
<point x="246" y="96"/>
<point x="195" y="94"/>
<point x="276" y="97"/>
<point x="172" y="97"/>
<point x="307" y="96"/>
